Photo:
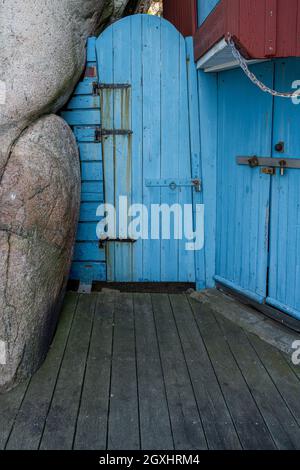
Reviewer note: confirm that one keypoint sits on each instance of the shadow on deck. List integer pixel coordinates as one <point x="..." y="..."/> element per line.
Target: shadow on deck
<point x="131" y="371"/>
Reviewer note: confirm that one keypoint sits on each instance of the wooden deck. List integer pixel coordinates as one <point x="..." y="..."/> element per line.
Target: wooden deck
<point x="131" y="371"/>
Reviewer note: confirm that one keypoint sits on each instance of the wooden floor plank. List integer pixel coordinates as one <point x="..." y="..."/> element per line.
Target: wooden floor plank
<point x="295" y="368"/>
<point x="280" y="421"/>
<point x="282" y="375"/>
<point x="251" y="428"/>
<point x="61" y="420"/>
<point x="93" y="415"/>
<point x="123" y="428"/>
<point x="153" y="371"/>
<point x="155" y="425"/>
<point x="9" y="406"/>
<point x="186" y="424"/>
<point x="218" y="426"/>
<point x="29" y="424"/>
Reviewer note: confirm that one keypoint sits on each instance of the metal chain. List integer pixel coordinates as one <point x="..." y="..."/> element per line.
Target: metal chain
<point x="244" y="66"/>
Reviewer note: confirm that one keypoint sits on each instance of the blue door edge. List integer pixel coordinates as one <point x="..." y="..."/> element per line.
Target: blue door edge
<point x="240" y="290"/>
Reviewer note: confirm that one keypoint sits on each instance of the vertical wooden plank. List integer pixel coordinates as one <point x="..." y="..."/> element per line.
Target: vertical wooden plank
<point x="280" y="421"/>
<point x="104" y="49"/>
<point x="9" y="407"/>
<point x="137" y="136"/>
<point x="170" y="140"/>
<point x="151" y="55"/>
<point x="59" y="430"/>
<point x="248" y="421"/>
<point x="208" y="105"/>
<point x="30" y="421"/>
<point x="91" y="49"/>
<point x="284" y="275"/>
<point x="123" y="428"/>
<point x="122" y="144"/>
<point x="195" y="149"/>
<point x="91" y="429"/>
<point x="155" y="425"/>
<point x="217" y="423"/>
<point x="186" y="261"/>
<point x="185" y="420"/>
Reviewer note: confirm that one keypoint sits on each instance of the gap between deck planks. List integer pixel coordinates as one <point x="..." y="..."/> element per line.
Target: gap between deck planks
<point x="153" y="371"/>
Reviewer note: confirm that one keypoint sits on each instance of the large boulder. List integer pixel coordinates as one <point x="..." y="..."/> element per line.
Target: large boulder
<point x="39" y="203"/>
<point x="42" y="56"/>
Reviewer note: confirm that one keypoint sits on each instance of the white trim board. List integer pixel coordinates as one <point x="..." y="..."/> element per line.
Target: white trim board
<point x="220" y="58"/>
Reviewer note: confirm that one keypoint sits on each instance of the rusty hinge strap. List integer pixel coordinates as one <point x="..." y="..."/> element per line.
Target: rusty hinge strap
<point x="100" y="133"/>
<point x="109" y="86"/>
<point x="102" y="242"/>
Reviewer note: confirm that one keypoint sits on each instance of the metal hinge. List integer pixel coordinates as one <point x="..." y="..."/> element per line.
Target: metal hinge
<point x="97" y="87"/>
<point x="173" y="184"/>
<point x="102" y="242"/>
<point x="100" y="133"/>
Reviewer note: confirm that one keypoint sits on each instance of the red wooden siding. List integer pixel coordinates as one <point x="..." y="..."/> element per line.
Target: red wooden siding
<point x="263" y="28"/>
<point x="183" y="15"/>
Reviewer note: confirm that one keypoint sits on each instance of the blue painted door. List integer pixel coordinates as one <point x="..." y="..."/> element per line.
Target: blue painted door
<point x="148" y="55"/>
<point x="258" y="240"/>
<point x="284" y="271"/>
<point x="245" y="128"/>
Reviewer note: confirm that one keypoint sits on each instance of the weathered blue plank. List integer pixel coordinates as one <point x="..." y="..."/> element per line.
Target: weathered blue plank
<point x="122" y="144"/>
<point x="151" y="52"/>
<point x="195" y="152"/>
<point x="171" y="136"/>
<point x="208" y="109"/>
<point x="88" y="212"/>
<point x="92" y="197"/>
<point x="86" y="232"/>
<point x="92" y="187"/>
<point x="104" y="51"/>
<point x="284" y="264"/>
<point x="87" y="272"/>
<point x="84" y="102"/>
<point x="137" y="143"/>
<point x="82" y="117"/>
<point x="85" y="133"/>
<point x="88" y="251"/>
<point x="92" y="171"/>
<point x="90" y="152"/>
<point x="84" y="88"/>
<point x="91" y="49"/>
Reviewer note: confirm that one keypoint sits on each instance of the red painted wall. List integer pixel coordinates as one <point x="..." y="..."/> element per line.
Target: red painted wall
<point x="183" y="15"/>
<point x="263" y="28"/>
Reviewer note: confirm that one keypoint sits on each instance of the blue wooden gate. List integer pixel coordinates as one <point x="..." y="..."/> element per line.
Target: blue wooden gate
<point x="258" y="242"/>
<point x="141" y="140"/>
<point x="143" y="73"/>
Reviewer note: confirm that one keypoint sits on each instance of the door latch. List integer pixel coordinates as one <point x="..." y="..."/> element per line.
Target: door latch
<point x="282" y="165"/>
<point x="268" y="171"/>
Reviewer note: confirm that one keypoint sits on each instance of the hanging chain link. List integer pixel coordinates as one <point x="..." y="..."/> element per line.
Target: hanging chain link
<point x="244" y="66"/>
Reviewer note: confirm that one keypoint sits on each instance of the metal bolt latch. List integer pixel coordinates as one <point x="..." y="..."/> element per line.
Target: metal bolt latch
<point x="282" y="164"/>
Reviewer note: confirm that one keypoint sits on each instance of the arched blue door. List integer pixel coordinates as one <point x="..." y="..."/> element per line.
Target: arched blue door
<point x="146" y="145"/>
